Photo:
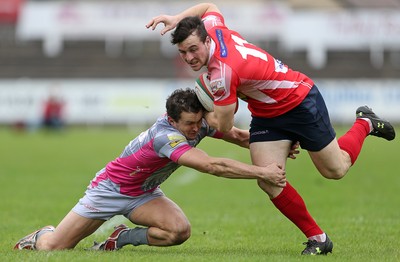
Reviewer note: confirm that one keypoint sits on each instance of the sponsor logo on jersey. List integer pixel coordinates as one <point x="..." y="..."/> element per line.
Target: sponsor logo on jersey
<point x="280" y="67"/>
<point x="218" y="87"/>
<point x="136" y="171"/>
<point x="223" y="51"/>
<point x="176" y="140"/>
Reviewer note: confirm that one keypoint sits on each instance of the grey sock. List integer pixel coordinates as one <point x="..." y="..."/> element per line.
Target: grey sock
<point x="41" y="232"/>
<point x="136" y="236"/>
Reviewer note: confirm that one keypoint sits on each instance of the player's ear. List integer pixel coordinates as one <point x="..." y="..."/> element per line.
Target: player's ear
<point x="171" y="121"/>
<point x="207" y="42"/>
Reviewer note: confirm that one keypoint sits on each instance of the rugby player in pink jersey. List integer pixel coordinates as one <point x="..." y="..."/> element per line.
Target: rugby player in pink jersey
<point x="130" y="184"/>
<point x="285" y="105"/>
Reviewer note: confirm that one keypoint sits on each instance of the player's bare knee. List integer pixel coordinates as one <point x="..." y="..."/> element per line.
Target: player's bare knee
<point x="334" y="174"/>
<point x="180" y="235"/>
<point x="264" y="186"/>
<point x="272" y="191"/>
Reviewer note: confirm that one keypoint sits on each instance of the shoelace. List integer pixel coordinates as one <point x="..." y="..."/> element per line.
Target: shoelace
<point x="310" y="243"/>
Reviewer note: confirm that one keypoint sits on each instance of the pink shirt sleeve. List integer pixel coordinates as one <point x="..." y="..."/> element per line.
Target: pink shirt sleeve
<point x="178" y="152"/>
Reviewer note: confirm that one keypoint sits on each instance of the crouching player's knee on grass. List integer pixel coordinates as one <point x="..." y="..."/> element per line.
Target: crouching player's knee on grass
<point x="169" y="237"/>
<point x="164" y="223"/>
<point x="151" y="236"/>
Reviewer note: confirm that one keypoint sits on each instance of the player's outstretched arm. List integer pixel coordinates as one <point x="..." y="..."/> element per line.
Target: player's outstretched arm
<point x="228" y="168"/>
<point x="170" y="22"/>
<point x="241" y="138"/>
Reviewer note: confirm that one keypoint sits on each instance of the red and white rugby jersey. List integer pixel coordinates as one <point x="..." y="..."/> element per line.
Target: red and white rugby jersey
<point x="238" y="69"/>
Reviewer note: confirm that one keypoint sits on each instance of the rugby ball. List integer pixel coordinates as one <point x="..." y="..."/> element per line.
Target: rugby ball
<point x="203" y="91"/>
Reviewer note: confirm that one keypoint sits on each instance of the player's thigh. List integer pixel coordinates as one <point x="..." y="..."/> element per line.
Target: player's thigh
<point x="331" y="161"/>
<point x="160" y="212"/>
<point x="72" y="229"/>
<point x="267" y="152"/>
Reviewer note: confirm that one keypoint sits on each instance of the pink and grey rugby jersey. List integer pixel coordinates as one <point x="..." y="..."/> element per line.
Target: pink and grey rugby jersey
<point x="150" y="158"/>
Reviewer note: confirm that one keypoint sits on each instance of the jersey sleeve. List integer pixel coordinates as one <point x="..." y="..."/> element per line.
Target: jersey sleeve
<point x="224" y="82"/>
<point x="171" y="145"/>
<point x="223" y="79"/>
<point x="212" y="19"/>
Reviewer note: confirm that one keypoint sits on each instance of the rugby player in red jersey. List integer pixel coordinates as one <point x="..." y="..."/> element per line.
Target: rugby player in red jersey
<point x="285" y="105"/>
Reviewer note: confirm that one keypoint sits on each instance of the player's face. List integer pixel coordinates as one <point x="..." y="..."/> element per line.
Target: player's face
<point x="189" y="124"/>
<point x="194" y="52"/>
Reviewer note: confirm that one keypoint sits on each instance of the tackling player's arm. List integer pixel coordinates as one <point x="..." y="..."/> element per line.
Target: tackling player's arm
<point x="241" y="138"/>
<point x="170" y="22"/>
<point x="237" y="136"/>
<point x="228" y="168"/>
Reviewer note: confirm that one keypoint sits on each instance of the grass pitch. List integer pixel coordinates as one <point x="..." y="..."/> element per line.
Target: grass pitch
<point x="43" y="175"/>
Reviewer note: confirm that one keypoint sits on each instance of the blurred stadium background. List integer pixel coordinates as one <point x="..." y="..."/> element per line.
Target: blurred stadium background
<point x="108" y="69"/>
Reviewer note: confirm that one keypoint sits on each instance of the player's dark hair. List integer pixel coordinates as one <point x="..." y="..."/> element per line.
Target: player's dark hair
<point x="187" y="26"/>
<point x="183" y="100"/>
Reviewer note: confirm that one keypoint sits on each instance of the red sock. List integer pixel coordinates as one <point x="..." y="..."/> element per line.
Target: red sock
<point x="352" y="141"/>
<point x="291" y="204"/>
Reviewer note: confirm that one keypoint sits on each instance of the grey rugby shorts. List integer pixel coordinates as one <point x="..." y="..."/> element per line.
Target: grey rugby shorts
<point x="104" y="201"/>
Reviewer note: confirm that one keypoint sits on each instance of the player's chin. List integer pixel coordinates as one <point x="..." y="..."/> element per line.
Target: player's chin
<point x="196" y="67"/>
<point x="191" y="136"/>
